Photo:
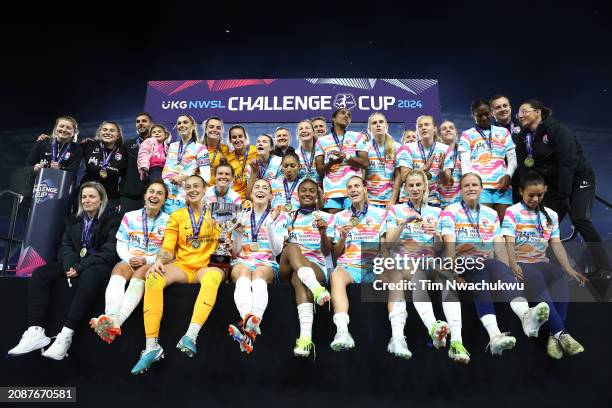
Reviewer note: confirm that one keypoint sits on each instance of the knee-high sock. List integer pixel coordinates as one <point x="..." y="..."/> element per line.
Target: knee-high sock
<point x="397" y="317"/>
<point x="260" y="297"/>
<point x="425" y="311"/>
<point x="153" y="304"/>
<point x="341" y="320"/>
<point x="243" y="297"/>
<point x="306" y="316"/>
<point x="114" y="296"/>
<point x="308" y="278"/>
<point x="519" y="306"/>
<point x="207" y="297"/>
<point x="452" y="311"/>
<point x="131" y="299"/>
<point x="489" y="322"/>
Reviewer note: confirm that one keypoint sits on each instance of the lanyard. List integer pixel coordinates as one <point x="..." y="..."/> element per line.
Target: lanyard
<point x="289" y="191"/>
<point x="413" y="207"/>
<point x="106" y="156"/>
<point x="88" y="225"/>
<point x="529" y="144"/>
<point x="145" y="227"/>
<point x="224" y="196"/>
<point x="361" y="213"/>
<point x="422" y="151"/>
<point x="307" y="162"/>
<point x="488" y="140"/>
<point x="256" y="227"/>
<point x="262" y="170"/>
<point x="182" y="151"/>
<point x="339" y="143"/>
<point x="196" y="226"/>
<point x="468" y="212"/>
<point x="456" y="153"/>
<point x="62" y="151"/>
<point x="539" y="226"/>
<point x="380" y="156"/>
<point x="212" y="162"/>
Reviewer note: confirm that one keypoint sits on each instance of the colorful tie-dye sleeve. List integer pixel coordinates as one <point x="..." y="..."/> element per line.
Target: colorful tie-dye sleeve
<point x="319" y="151"/>
<point x="203" y="162"/>
<point x="403" y="157"/>
<point x="509" y="224"/>
<point x="555" y="232"/>
<point x="464" y="143"/>
<point x="446" y="225"/>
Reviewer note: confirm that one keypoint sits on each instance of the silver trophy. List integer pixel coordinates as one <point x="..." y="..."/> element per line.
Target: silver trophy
<point x="226" y="216"/>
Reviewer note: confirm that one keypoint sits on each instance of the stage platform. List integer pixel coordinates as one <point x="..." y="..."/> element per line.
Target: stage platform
<point x="220" y="375"/>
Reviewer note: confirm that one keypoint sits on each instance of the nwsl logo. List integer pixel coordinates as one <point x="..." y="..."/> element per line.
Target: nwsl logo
<point x="44" y="191"/>
<point x="344" y="101"/>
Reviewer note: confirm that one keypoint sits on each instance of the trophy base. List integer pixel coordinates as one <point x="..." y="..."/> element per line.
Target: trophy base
<point x="221" y="262"/>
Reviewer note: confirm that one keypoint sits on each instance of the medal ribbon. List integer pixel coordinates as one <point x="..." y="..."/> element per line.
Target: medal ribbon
<point x="87" y="230"/>
<point x="181" y="152"/>
<point x="262" y="170"/>
<point x="539" y="225"/>
<point x="256" y="227"/>
<point x="339" y="143"/>
<point x="289" y="192"/>
<point x="528" y="144"/>
<point x="196" y="226"/>
<point x="307" y="162"/>
<point x="54" y="154"/>
<point x="422" y="151"/>
<point x="488" y="140"/>
<point x="362" y="212"/>
<point x="468" y="212"/>
<point x="106" y="156"/>
<point x="380" y="156"/>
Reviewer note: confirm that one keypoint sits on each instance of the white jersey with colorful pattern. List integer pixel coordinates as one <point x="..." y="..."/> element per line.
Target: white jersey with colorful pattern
<point x="259" y="252"/>
<point x="231" y="197"/>
<point x="380" y="173"/>
<point x="451" y="194"/>
<point x="487" y="161"/>
<point x="530" y="242"/>
<point x="131" y="231"/>
<point x="412" y="155"/>
<point x="372" y="225"/>
<point x="308" y="167"/>
<point x="272" y="171"/>
<point x="415" y="242"/>
<point x="471" y="242"/>
<point x="195" y="157"/>
<point x="278" y="193"/>
<point x="334" y="182"/>
<point x="302" y="230"/>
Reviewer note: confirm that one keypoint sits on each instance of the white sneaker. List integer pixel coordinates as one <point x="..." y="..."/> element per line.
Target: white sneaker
<point x="500" y="343"/>
<point x="59" y="348"/>
<point x="399" y="348"/>
<point x="32" y="339"/>
<point x="342" y="341"/>
<point x="534" y="318"/>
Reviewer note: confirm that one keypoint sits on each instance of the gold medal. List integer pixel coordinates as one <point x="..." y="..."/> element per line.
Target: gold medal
<point x="83" y="252"/>
<point x="254" y="246"/>
<point x="247" y="205"/>
<point x="529" y="162"/>
<point x="288" y="207"/>
<point x="354" y="221"/>
<point x="195" y="244"/>
<point x="103" y="173"/>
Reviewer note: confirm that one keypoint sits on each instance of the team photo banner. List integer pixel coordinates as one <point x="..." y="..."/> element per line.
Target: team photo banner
<point x="291" y="100"/>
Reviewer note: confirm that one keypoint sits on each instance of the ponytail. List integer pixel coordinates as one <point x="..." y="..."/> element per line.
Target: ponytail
<point x="535" y="104"/>
<point x="532" y="178"/>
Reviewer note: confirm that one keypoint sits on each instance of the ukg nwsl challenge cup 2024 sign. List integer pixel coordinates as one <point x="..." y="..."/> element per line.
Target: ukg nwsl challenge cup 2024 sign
<point x="292" y="100"/>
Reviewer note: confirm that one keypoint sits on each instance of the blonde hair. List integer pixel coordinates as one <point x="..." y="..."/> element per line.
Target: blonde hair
<point x="194" y="133"/>
<point x="297" y="132"/>
<point x="389" y="143"/>
<point x="419" y="173"/>
<point x="433" y="122"/>
<point x="70" y="119"/>
<point x="101" y="192"/>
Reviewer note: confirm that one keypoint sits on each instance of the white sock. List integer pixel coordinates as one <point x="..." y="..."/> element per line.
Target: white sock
<point x="519" y="306"/>
<point x="397" y="317"/>
<point x="490" y="324"/>
<point x="66" y="332"/>
<point x="193" y="330"/>
<point x="260" y="297"/>
<point x="452" y="311"/>
<point x="341" y="320"/>
<point x="306" y="316"/>
<point x="114" y="295"/>
<point x="151" y="344"/>
<point x="308" y="278"/>
<point x="425" y="311"/>
<point x="131" y="299"/>
<point x="243" y="297"/>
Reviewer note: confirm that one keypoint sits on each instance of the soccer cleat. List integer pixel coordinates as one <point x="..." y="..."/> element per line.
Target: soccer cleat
<point x="59" y="348"/>
<point x="458" y="353"/>
<point x="303" y="345"/>
<point x="104" y="326"/>
<point x="500" y="343"/>
<point x="553" y="348"/>
<point x="399" y="348"/>
<point x="187" y="345"/>
<point x="251" y="325"/>
<point x="321" y="295"/>
<point x="534" y="318"/>
<point x="569" y="344"/>
<point x="342" y="341"/>
<point x="438" y="333"/>
<point x="32" y="339"/>
<point x="147" y="359"/>
<point x="245" y="342"/>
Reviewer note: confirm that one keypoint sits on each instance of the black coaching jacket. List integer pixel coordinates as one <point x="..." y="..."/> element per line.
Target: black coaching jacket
<point x="558" y="156"/>
<point x="104" y="243"/>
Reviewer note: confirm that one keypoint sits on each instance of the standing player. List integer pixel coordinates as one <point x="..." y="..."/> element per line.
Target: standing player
<point x="267" y="166"/>
<point x="339" y="156"/>
<point x="190" y="239"/>
<point x="221" y="192"/>
<point x="449" y="186"/>
<point x="239" y="158"/>
<point x="217" y="151"/>
<point x="307" y="139"/>
<point x="319" y="125"/>
<point x="381" y="169"/>
<point x="484" y="150"/>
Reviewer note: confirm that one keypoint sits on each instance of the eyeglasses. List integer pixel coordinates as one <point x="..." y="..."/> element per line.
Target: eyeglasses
<point x="524" y="112"/>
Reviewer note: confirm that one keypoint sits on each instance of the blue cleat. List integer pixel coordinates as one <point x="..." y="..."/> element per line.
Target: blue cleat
<point x="187" y="346"/>
<point x="147" y="359"/>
